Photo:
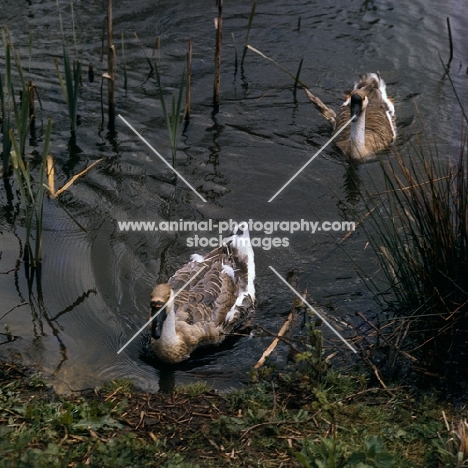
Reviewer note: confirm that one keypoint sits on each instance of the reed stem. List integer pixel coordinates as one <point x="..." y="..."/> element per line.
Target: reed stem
<point x="72" y="71"/>
<point x="249" y="26"/>
<point x="217" y="61"/>
<point x="189" y="78"/>
<point x="450" y="42"/>
<point x="111" y="68"/>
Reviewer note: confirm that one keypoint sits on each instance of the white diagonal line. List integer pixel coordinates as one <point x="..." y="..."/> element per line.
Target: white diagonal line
<point x="313" y="310"/>
<point x="311" y="159"/>
<point x="162" y="159"/>
<point x="160" y="310"/>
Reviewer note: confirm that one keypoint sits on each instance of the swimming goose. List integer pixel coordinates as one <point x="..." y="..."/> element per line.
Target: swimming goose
<point x="373" y="128"/>
<point x="219" y="300"/>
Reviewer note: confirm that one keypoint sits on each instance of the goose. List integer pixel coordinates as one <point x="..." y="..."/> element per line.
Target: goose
<point x="219" y="300"/>
<point x="373" y="129"/>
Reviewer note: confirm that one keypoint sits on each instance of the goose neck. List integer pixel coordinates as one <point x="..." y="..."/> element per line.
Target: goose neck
<point x="358" y="136"/>
<point x="168" y="329"/>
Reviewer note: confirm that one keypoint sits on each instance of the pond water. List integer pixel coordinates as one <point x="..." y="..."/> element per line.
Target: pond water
<point x="96" y="279"/>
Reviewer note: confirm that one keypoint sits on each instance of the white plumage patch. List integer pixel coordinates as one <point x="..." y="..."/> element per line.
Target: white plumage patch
<point x="228" y="270"/>
<point x="197" y="258"/>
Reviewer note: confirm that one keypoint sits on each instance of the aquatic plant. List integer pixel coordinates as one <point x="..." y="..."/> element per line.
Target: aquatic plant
<point x="5" y="93"/>
<point x="419" y="231"/>
<point x="249" y="27"/>
<point x="15" y="114"/>
<point x="111" y="67"/>
<point x="71" y="82"/>
<point x="189" y="81"/>
<point x="217" y="59"/>
<point x="32" y="196"/>
<point x="173" y="118"/>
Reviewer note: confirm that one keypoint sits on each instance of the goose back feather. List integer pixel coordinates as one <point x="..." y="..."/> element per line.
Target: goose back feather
<point x="219" y="300"/>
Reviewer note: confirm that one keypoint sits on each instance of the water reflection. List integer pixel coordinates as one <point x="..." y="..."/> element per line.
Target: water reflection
<point x="352" y="183"/>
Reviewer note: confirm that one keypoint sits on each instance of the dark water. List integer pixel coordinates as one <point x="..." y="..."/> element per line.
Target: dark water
<point x="96" y="278"/>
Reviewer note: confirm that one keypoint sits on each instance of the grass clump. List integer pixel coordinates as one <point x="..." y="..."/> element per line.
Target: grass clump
<point x="419" y="231"/>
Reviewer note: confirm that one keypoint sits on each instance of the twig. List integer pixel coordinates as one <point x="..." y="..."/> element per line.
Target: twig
<point x="282" y="338"/>
<point x="279" y="423"/>
<point x="275" y="342"/>
<point x="75" y="177"/>
<point x="253" y="49"/>
<point x="50" y="174"/>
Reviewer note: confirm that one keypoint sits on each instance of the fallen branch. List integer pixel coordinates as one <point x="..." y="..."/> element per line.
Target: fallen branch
<point x="75" y="178"/>
<point x="275" y="342"/>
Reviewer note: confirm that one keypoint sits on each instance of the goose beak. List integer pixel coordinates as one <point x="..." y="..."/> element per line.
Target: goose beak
<point x="355" y="106"/>
<point x="157" y="323"/>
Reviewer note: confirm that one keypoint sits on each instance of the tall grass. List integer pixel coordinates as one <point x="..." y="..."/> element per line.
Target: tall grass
<point x="173" y="118"/>
<point x="420" y="235"/>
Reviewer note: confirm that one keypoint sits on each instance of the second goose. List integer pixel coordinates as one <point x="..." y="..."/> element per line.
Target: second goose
<point x="373" y="129"/>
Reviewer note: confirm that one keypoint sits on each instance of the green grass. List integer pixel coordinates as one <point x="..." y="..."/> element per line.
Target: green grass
<point x="345" y="424"/>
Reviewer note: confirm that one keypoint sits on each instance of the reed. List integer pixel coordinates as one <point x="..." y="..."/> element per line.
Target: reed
<point x="5" y="92"/>
<point x="32" y="196"/>
<point x="173" y="118"/>
<point x="111" y="67"/>
<point x="71" y="81"/>
<point x="249" y="26"/>
<point x="15" y="114"/>
<point x="124" y="62"/>
<point x="217" y="60"/>
<point x="189" y="81"/>
<point x="296" y="80"/>
<point x="419" y="231"/>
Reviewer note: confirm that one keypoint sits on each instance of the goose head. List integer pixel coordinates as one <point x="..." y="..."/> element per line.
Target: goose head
<point x="358" y="104"/>
<point x="159" y="303"/>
